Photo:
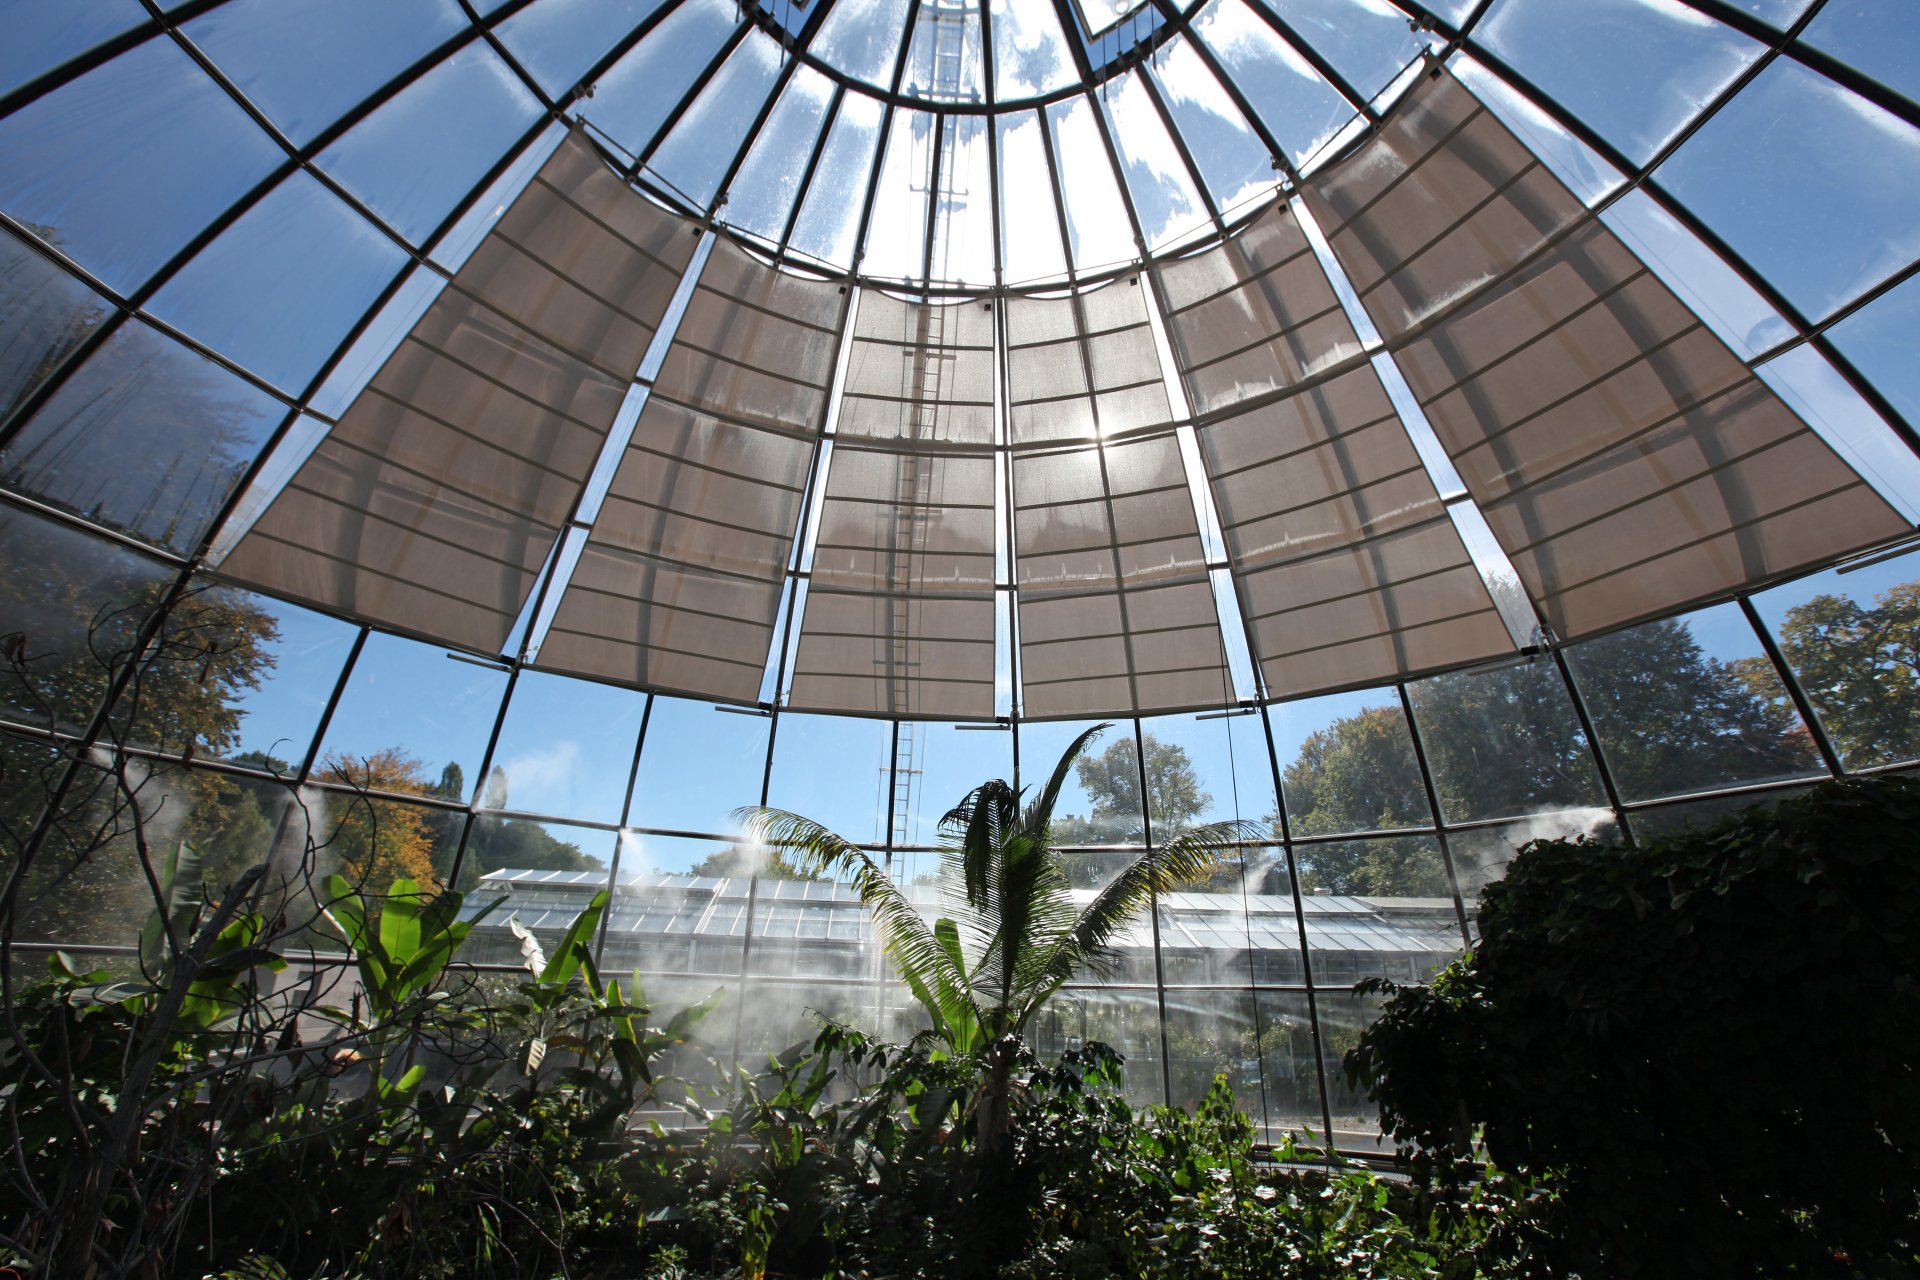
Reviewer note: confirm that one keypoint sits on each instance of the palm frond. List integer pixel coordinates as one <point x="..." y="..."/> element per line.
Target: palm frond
<point x="1188" y="856"/>
<point x="903" y="932"/>
<point x="1040" y="813"/>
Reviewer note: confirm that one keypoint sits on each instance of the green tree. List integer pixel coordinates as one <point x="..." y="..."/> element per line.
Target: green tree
<point x="1112" y="782"/>
<point x="736" y="860"/>
<point x="1014" y="936"/>
<point x="1861" y="668"/>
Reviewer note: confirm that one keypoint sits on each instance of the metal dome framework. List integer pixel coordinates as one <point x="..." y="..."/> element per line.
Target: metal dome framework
<point x="866" y="143"/>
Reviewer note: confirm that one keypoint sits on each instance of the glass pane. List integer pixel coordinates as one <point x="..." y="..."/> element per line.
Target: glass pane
<point x="1097" y="226"/>
<point x="1480" y="855"/>
<point x="632" y="100"/>
<point x="1210" y="1034"/>
<point x="1635" y="70"/>
<point x="1386" y="867"/>
<point x="413" y="718"/>
<point x="1163" y="191"/>
<point x="698" y="765"/>
<point x="370" y="837"/>
<point x="762" y="195"/>
<point x="834" y="770"/>
<point x="566" y="748"/>
<point x="896" y="241"/>
<point x="1880" y="341"/>
<point x="1503" y="742"/>
<point x="76" y="603"/>
<point x="1839" y="415"/>
<point x="1356" y="1121"/>
<point x="705" y="139"/>
<point x="1100" y="801"/>
<point x="36" y="38"/>
<point x="274" y="668"/>
<point x="1299" y="109"/>
<point x="1715" y="291"/>
<point x="559" y="41"/>
<point x="1232" y="160"/>
<point x="650" y="855"/>
<point x="1214" y="770"/>
<point x="421" y="154"/>
<point x="575" y="858"/>
<point x="831" y="217"/>
<point x="1692" y="815"/>
<point x="1367" y="41"/>
<point x="862" y="38"/>
<point x="148" y="437"/>
<point x="306" y="63"/>
<point x="1845" y="178"/>
<point x="1289" y="1071"/>
<point x="963" y="222"/>
<point x="1030" y="55"/>
<point x="1873" y="36"/>
<point x="1128" y="1020"/>
<point x="1853" y="639"/>
<point x="146" y="131"/>
<point x="44" y="314"/>
<point x="1690" y="703"/>
<point x="942" y="765"/>
<point x="1347" y="764"/>
<point x="280" y="288"/>
<point x="944" y="63"/>
<point x="1029" y="217"/>
<point x="1569" y="159"/>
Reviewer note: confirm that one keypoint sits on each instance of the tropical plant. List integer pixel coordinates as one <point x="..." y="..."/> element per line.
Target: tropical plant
<point x="1013" y="934"/>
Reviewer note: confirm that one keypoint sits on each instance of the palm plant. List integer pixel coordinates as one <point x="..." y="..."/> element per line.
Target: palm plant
<point x="1011" y="935"/>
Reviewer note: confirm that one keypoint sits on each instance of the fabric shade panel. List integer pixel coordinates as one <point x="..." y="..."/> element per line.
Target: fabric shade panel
<point x="432" y="504"/>
<point x="1115" y="610"/>
<point x="1349" y="569"/>
<point x="1082" y="367"/>
<point x="1252" y="315"/>
<point x="1627" y="461"/>
<point x="899" y="617"/>
<point x="679" y="583"/>
<point x="919" y="371"/>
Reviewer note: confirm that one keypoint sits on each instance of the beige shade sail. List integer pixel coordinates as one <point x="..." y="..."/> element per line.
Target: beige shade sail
<point x="1116" y="613"/>
<point x="919" y="371"/>
<point x="432" y="504"/>
<point x="1348" y="567"/>
<point x="1082" y="366"/>
<point x="1627" y="461"/>
<point x="1252" y="315"/>
<point x="679" y="584"/>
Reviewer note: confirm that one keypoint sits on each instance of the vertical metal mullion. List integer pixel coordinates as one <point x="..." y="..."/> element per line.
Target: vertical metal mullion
<point x="1119" y="176"/>
<point x="813" y="163"/>
<point x="1152" y="88"/>
<point x="620" y="837"/>
<point x="700" y="82"/>
<point x="934" y="149"/>
<point x="1433" y="805"/>
<point x="486" y="772"/>
<point x="1153" y="911"/>
<point x="1809" y="715"/>
<point x="780" y="83"/>
<point x="1300" y="924"/>
<point x="886" y="135"/>
<point x="333" y="703"/>
<point x="1312" y="56"/>
<point x="1593" y="745"/>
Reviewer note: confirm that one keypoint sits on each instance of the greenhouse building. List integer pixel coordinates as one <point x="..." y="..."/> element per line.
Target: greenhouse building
<point x="510" y="445"/>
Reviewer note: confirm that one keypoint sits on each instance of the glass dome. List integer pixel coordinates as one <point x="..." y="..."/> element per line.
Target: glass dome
<point x="536" y="429"/>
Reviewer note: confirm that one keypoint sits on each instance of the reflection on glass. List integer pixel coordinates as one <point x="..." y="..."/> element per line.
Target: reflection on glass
<point x="697" y="154"/>
<point x="1299" y="109"/>
<point x="830" y="219"/>
<point x="44" y="314"/>
<point x="280" y="288"/>
<point x="76" y="604"/>
<point x="148" y="437"/>
<point x="761" y="196"/>
<point x="633" y="99"/>
<point x="306" y="63"/>
<point x="1871" y="36"/>
<point x="147" y="131"/>
<point x="1503" y="741"/>
<point x="1635" y="70"/>
<point x="559" y="41"/>
<point x="413" y="719"/>
<point x="1853" y="641"/>
<point x="566" y="748"/>
<point x="424" y="151"/>
<point x="697" y="766"/>
<point x="1690" y="703"/>
<point x="1844" y="178"/>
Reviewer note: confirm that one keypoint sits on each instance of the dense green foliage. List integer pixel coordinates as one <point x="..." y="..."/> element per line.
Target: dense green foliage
<point x="1711" y="1043"/>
